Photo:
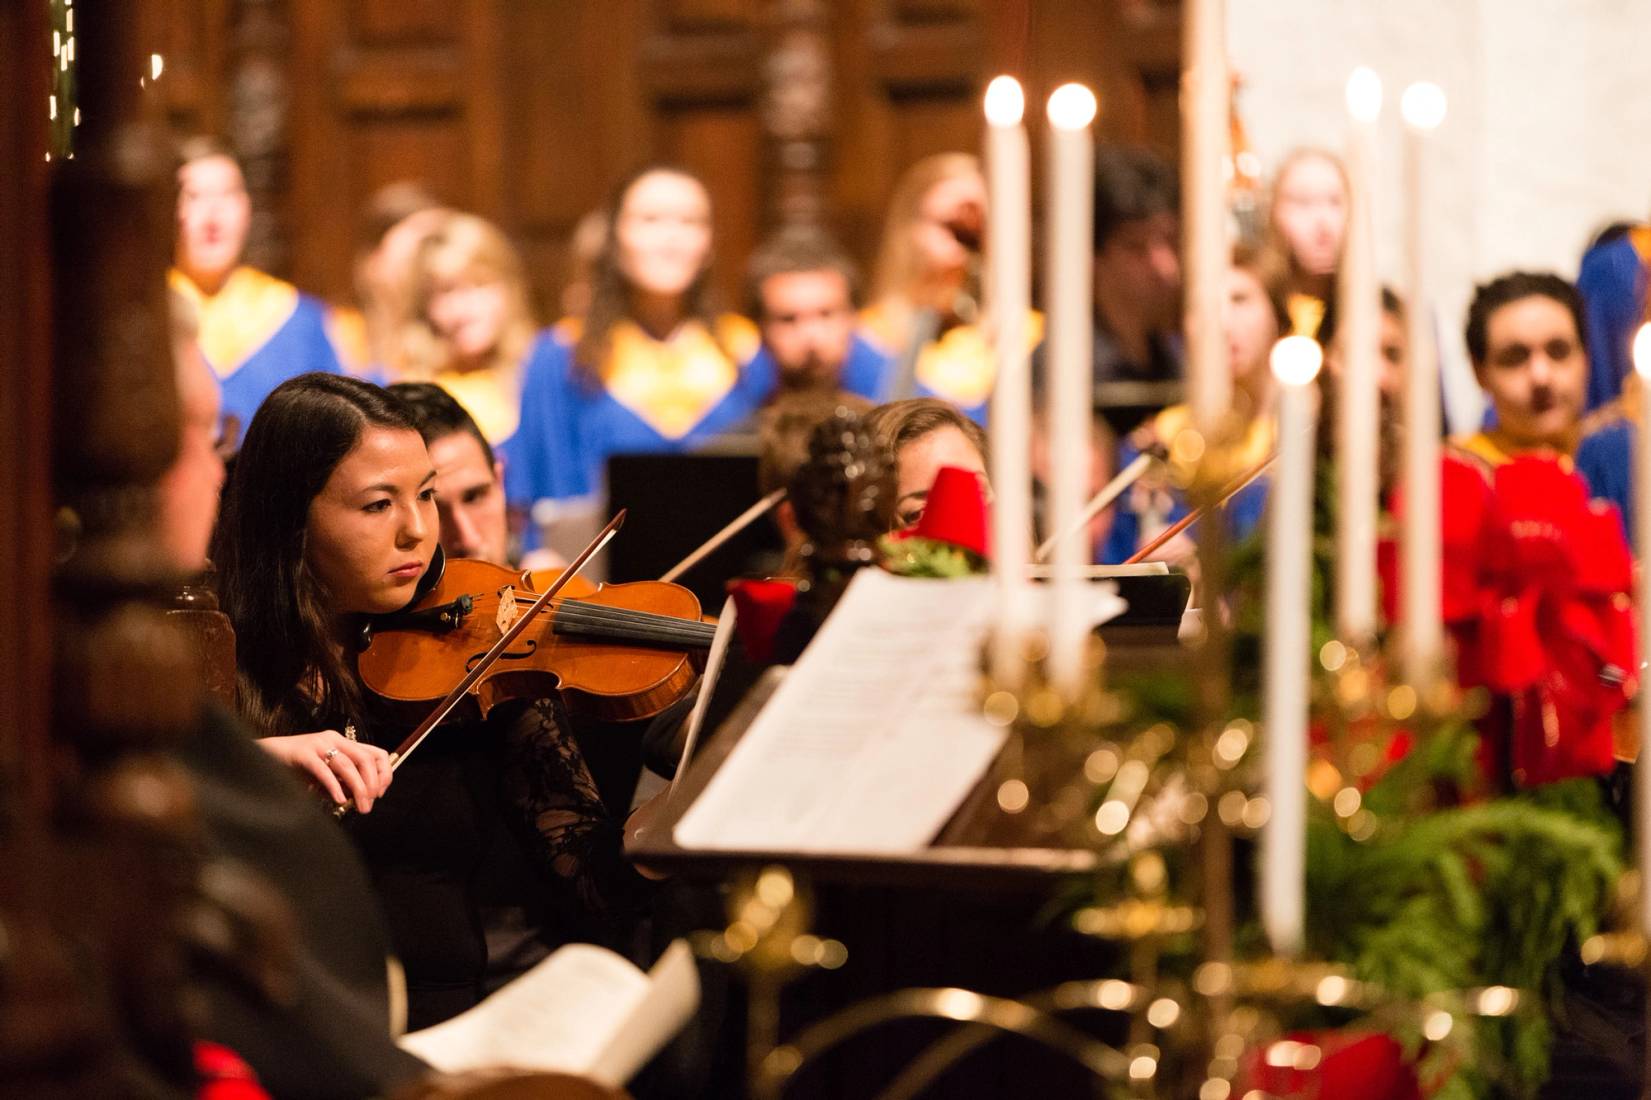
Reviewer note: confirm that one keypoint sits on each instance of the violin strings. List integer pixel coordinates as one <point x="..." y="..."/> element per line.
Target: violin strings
<point x="639" y="625"/>
<point x="616" y="613"/>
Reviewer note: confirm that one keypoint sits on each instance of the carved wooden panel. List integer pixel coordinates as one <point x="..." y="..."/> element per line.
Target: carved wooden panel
<point x="194" y="45"/>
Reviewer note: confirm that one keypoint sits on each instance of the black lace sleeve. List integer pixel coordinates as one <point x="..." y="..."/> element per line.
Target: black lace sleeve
<point x="551" y="797"/>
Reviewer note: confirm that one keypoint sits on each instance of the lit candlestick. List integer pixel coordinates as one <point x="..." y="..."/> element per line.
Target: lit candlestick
<point x="1206" y="135"/>
<point x="1295" y="363"/>
<point x="1358" y="427"/>
<point x="1068" y="221"/>
<point x="1642" y="547"/>
<point x="1009" y="283"/>
<point x="1423" y="107"/>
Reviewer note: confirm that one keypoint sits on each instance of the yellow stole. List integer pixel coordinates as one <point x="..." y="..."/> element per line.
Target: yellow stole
<point x="1259" y="438"/>
<point x="1494" y="449"/>
<point x="234" y="323"/>
<point x="672" y="384"/>
<point x="492" y="396"/>
<point x="1306" y="313"/>
<point x="959" y="366"/>
<point x="347" y="332"/>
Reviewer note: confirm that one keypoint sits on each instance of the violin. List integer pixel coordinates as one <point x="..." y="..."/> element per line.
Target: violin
<point x="616" y="652"/>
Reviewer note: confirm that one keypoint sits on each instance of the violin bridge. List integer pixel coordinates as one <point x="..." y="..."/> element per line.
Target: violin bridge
<point x="508" y="611"/>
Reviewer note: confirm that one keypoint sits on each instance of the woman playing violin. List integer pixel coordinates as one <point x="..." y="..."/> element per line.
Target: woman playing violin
<point x="329" y="518"/>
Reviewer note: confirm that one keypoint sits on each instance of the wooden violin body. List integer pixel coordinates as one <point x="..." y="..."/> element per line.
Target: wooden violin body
<point x="615" y="652"/>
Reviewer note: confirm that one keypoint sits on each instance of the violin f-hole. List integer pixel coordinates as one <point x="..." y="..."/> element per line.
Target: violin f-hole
<point x="507" y="655"/>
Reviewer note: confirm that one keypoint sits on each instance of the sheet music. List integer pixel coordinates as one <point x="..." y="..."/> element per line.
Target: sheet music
<point x="707" y="685"/>
<point x="873" y="739"/>
<point x="583" y="1010"/>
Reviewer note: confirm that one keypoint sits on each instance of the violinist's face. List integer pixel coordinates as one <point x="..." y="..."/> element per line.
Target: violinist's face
<point x="664" y="233"/>
<point x="951" y="204"/>
<point x="920" y="462"/>
<point x="469" y="499"/>
<point x="214" y="214"/>
<point x="372" y="528"/>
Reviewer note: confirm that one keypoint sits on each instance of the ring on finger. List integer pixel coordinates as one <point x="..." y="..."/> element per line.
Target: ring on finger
<point x="326" y="757"/>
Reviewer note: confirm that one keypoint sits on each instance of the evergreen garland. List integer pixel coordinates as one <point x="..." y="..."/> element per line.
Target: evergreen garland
<point x="1443" y="894"/>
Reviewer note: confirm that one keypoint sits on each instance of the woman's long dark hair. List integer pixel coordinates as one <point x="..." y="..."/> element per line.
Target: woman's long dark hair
<point x="290" y="676"/>
<point x="611" y="293"/>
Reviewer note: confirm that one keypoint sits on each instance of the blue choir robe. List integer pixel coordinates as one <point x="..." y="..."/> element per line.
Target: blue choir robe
<point x="1612" y="282"/>
<point x="1605" y="459"/>
<point x="652" y="396"/>
<point x="1152" y="504"/>
<point x="257" y="332"/>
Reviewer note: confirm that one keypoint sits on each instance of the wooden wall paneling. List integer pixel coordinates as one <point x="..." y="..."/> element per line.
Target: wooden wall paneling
<point x="485" y="103"/>
<point x="799" y="89"/>
<point x="381" y="92"/>
<point x="194" y="47"/>
<point x="256" y="92"/>
<point x="572" y="119"/>
<point x="910" y="74"/>
<point x="25" y="403"/>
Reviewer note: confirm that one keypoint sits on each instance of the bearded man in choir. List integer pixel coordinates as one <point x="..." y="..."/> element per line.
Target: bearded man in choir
<point x="801" y="289"/>
<point x="1536" y="577"/>
<point x="256" y="331"/>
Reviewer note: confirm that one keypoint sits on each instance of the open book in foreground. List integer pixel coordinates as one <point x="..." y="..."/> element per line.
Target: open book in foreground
<point x="582" y="1011"/>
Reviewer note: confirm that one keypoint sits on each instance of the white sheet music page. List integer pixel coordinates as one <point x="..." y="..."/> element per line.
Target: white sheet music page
<point x="583" y="1010"/>
<point x="874" y="737"/>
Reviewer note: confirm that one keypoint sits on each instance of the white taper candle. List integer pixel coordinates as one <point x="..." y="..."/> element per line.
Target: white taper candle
<point x="1068" y="220"/>
<point x="1205" y="140"/>
<point x="1358" y="428"/>
<point x="1287" y="642"/>
<point x="1423" y="107"/>
<point x="1009" y="283"/>
<point x="1642" y="549"/>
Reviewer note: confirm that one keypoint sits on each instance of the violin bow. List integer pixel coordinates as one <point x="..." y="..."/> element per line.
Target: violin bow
<point x="729" y="530"/>
<point x="1110" y="492"/>
<point x="445" y="707"/>
<point x="1227" y="493"/>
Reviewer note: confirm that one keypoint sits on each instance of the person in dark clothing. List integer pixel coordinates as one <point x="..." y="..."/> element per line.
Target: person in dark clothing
<point x="329" y="517"/>
<point x="328" y="1033"/>
<point x="1139" y="357"/>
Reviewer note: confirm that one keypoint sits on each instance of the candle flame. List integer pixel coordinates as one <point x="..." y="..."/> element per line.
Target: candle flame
<point x="1364" y="94"/>
<point x="1642" y="351"/>
<point x="1005" y="102"/>
<point x="1296" y="360"/>
<point x="1072" y="107"/>
<point x="1423" y="105"/>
